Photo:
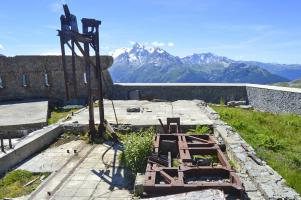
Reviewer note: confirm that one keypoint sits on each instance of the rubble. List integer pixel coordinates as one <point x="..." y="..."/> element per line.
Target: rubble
<point x="236" y="103"/>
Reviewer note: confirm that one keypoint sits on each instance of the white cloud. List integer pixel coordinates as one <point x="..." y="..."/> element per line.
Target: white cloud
<point x="132" y="42"/>
<point x="170" y="44"/>
<point x="158" y="44"/>
<point x="1" y="47"/>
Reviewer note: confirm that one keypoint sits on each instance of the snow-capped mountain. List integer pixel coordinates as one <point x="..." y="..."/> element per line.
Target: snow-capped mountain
<point x="139" y="55"/>
<point x="142" y="64"/>
<point x="205" y="58"/>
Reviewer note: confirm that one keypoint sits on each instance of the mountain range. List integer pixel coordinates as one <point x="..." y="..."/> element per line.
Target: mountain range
<point x="141" y="64"/>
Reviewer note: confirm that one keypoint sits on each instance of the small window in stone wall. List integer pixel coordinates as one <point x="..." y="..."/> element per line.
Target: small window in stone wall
<point x="24" y="80"/>
<point x="46" y="81"/>
<point x="85" y="78"/>
<point x="1" y="83"/>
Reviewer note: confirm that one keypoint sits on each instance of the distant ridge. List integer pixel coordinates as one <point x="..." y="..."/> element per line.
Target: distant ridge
<point x="141" y="64"/>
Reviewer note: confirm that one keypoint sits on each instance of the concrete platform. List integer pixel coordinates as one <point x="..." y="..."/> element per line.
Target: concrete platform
<point x="85" y="176"/>
<point x="53" y="158"/>
<point x="189" y="112"/>
<point x="20" y="116"/>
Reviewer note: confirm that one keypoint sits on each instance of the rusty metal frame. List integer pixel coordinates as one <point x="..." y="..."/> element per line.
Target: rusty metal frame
<point x="162" y="178"/>
<point x="88" y="37"/>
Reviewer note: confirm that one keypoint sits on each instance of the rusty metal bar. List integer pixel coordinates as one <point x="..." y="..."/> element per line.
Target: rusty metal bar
<point x="163" y="127"/>
<point x="73" y="70"/>
<point x="86" y="54"/>
<point x="166" y="177"/>
<point x="9" y="141"/>
<point x="65" y="67"/>
<point x="98" y="71"/>
<point x="2" y="145"/>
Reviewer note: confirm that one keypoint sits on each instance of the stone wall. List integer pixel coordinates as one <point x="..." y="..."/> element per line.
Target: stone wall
<point x="274" y="99"/>
<point x="33" y="68"/>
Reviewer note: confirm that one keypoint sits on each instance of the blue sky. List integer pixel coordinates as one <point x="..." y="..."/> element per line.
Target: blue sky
<point x="262" y="30"/>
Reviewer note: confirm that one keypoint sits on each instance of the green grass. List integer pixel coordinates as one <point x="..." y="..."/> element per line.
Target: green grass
<point x="13" y="184"/>
<point x="199" y="130"/>
<point x="212" y="158"/>
<point x="137" y="148"/>
<point x="176" y="162"/>
<point x="293" y="84"/>
<point x="275" y="138"/>
<point x="58" y="113"/>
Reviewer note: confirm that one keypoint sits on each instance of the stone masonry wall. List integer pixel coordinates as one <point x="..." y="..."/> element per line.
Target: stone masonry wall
<point x="259" y="179"/>
<point x="34" y="68"/>
<point x="274" y="99"/>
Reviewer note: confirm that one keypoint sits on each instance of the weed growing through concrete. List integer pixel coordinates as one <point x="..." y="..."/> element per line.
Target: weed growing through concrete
<point x="275" y="138"/>
<point x="17" y="183"/>
<point x="69" y="136"/>
<point x="137" y="148"/>
<point x="59" y="113"/>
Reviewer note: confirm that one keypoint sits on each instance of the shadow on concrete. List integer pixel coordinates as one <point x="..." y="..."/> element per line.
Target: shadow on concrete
<point x="117" y="176"/>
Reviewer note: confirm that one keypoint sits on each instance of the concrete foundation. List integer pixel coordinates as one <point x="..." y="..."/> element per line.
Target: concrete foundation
<point x="23" y="116"/>
<point x="149" y="113"/>
<point x="34" y="142"/>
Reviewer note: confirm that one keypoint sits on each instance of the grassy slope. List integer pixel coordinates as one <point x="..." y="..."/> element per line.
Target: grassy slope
<point x="295" y="84"/>
<point x="13" y="184"/>
<point x="275" y="138"/>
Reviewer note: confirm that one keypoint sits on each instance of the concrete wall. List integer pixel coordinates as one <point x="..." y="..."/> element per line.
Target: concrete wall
<point x="182" y="91"/>
<point x="261" y="97"/>
<point x="12" y="70"/>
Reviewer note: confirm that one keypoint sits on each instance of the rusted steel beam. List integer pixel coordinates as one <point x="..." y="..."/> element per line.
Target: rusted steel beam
<point x="173" y="123"/>
<point x="66" y="77"/>
<point x="73" y="70"/>
<point x="198" y="139"/>
<point x="161" y="178"/>
<point x="166" y="177"/>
